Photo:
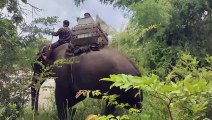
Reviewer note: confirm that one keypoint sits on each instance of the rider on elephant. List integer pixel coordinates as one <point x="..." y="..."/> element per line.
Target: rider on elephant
<point x="64" y="34"/>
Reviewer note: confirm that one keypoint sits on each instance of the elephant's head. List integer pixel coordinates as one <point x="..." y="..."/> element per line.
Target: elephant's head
<point x="42" y="66"/>
<point x="39" y="67"/>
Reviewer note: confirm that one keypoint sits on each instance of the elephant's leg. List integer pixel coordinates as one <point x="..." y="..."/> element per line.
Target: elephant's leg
<point x="62" y="91"/>
<point x="133" y="101"/>
<point x="34" y="99"/>
<point x="73" y="101"/>
<point x="35" y="96"/>
<point x="62" y="105"/>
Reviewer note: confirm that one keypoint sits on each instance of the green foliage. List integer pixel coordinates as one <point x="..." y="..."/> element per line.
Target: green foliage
<point x="13" y="76"/>
<point x="63" y="61"/>
<point x="179" y="23"/>
<point x="10" y="112"/>
<point x="19" y="44"/>
<point x="182" y="68"/>
<point x="44" y="114"/>
<point x="124" y="4"/>
<point x="151" y="56"/>
<point x="151" y="12"/>
<point x="189" y="26"/>
<point x="48" y="21"/>
<point x="126" y="42"/>
<point x="111" y="117"/>
<point x="160" y="29"/>
<point x="186" y="98"/>
<point x="13" y="7"/>
<point x="156" y="57"/>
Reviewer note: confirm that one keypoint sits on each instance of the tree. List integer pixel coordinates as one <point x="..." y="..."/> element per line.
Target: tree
<point x="187" y="98"/>
<point x="120" y="3"/>
<point x="19" y="44"/>
<point x="163" y="28"/>
<point x="178" y="23"/>
<point x="16" y="56"/>
<point x="190" y="26"/>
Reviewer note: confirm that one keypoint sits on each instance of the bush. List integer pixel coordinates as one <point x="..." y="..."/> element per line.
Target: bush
<point x="188" y="97"/>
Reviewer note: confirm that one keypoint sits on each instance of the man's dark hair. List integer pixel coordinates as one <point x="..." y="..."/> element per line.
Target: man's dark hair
<point x="66" y="22"/>
<point x="86" y="15"/>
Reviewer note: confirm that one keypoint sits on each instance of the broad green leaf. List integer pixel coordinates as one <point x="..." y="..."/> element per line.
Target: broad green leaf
<point x="125" y="86"/>
<point x="106" y="79"/>
<point x="109" y="117"/>
<point x="199" y="107"/>
<point x="167" y="88"/>
<point x="124" y="117"/>
<point x="116" y="84"/>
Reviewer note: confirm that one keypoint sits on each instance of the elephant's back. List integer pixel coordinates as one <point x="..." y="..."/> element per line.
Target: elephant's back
<point x="95" y="65"/>
<point x="108" y="57"/>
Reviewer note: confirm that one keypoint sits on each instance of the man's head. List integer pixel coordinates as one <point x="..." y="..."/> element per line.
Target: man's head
<point x="87" y="15"/>
<point x="65" y="23"/>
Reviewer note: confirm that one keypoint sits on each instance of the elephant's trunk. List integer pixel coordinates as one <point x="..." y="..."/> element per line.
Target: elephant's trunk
<point x="38" y="69"/>
<point x="34" y="96"/>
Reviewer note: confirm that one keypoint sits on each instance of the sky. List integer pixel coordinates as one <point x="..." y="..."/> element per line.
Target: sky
<point x="66" y="9"/>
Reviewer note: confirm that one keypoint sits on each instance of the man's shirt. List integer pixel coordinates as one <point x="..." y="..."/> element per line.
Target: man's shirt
<point x="64" y="34"/>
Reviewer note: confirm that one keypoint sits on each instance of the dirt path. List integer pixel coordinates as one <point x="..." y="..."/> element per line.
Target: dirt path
<point x="46" y="97"/>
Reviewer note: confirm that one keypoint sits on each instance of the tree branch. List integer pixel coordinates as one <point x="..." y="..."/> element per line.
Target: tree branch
<point x="34" y="7"/>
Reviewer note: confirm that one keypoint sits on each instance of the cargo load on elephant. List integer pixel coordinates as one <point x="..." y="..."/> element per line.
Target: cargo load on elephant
<point x="88" y="32"/>
<point x="88" y="35"/>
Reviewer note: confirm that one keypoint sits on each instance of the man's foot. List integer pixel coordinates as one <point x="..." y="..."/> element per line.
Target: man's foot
<point x="44" y="57"/>
<point x="47" y="54"/>
<point x="69" y="54"/>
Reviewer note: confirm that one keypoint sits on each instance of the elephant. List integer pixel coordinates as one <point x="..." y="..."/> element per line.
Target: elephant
<point x="85" y="75"/>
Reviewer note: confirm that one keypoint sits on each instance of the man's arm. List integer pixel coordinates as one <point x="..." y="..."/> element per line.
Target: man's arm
<point x="57" y="33"/>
